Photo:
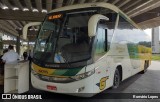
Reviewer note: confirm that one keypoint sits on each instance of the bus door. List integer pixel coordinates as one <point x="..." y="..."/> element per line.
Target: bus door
<point x="100" y="58"/>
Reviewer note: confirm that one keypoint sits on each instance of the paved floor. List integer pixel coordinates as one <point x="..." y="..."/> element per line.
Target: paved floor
<point x="140" y="83"/>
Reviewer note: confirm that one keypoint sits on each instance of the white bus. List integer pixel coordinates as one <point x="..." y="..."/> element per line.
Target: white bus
<point x="87" y="48"/>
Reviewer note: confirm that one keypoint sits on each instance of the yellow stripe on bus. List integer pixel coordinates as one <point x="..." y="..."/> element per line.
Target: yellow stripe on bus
<point x="43" y="71"/>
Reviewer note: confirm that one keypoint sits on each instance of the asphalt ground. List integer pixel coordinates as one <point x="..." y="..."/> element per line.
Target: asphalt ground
<point x="147" y="83"/>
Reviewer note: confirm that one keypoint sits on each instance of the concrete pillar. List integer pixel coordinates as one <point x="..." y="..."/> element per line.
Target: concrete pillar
<point x="155" y="40"/>
<point x="28" y="46"/>
<point x="18" y="45"/>
<point x="1" y="44"/>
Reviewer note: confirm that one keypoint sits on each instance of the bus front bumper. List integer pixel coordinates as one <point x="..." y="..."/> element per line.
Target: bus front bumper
<point x="82" y="87"/>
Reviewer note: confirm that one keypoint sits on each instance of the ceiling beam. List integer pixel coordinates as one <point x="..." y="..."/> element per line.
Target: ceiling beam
<point x="18" y="4"/>
<point x="140" y="5"/>
<point x="59" y="3"/>
<point x="21" y="16"/>
<point x="28" y="4"/>
<point x="13" y="24"/>
<point x="24" y="23"/>
<point x="49" y="4"/>
<point x="81" y="1"/>
<point x="136" y="4"/>
<point x="92" y="0"/>
<point x="114" y="1"/>
<point x="127" y="4"/>
<point x="105" y="0"/>
<point x="10" y="31"/>
<point x="70" y="2"/>
<point x="7" y="25"/>
<point x="149" y="5"/>
<point x="155" y="22"/>
<point x="39" y="5"/>
<point x="147" y="15"/>
<point x="1" y="5"/>
<point x="6" y="2"/>
<point x="122" y="3"/>
<point x="19" y="24"/>
<point x="132" y="3"/>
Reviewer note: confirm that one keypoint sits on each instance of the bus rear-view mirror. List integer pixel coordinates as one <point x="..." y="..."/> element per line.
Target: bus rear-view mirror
<point x="93" y="22"/>
<point x="25" y="28"/>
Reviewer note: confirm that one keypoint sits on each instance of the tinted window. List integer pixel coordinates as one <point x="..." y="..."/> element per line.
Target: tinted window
<point x="135" y="39"/>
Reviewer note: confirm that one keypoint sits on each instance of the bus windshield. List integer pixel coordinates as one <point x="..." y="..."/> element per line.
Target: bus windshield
<point x="63" y="38"/>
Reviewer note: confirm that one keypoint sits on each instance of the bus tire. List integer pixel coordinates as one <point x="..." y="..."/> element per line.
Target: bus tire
<point x="146" y="64"/>
<point x="116" y="80"/>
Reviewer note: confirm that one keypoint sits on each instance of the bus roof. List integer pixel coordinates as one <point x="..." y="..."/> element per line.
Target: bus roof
<point x="97" y="4"/>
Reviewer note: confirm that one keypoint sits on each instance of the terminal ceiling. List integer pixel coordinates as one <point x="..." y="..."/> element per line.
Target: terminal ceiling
<point x="14" y="14"/>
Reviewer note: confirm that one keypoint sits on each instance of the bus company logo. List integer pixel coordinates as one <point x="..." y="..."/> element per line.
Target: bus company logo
<point x="102" y="83"/>
<point x="43" y="71"/>
<point x="6" y="96"/>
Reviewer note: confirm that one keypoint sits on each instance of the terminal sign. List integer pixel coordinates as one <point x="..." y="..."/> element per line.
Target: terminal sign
<point x="55" y="16"/>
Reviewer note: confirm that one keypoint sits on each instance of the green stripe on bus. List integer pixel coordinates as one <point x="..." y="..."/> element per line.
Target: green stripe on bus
<point x="60" y="71"/>
<point x="72" y="72"/>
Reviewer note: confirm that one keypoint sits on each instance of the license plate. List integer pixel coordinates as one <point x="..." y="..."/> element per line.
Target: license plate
<point x="49" y="87"/>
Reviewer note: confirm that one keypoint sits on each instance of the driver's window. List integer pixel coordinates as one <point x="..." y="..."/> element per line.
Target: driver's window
<point x="100" y="45"/>
<point x="101" y="40"/>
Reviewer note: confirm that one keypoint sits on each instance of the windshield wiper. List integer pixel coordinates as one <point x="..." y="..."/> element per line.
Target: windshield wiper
<point x="66" y="61"/>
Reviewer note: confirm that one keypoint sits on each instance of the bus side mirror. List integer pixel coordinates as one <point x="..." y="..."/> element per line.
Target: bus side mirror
<point x="25" y="28"/>
<point x="93" y="22"/>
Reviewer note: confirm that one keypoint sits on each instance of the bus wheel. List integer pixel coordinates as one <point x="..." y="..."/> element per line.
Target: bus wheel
<point x="146" y="64"/>
<point x="116" y="80"/>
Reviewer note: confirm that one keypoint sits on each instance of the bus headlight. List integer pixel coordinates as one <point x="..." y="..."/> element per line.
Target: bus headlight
<point x="35" y="73"/>
<point x="84" y="75"/>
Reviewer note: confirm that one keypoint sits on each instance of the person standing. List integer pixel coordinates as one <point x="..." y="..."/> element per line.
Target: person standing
<point x="30" y="55"/>
<point x="25" y="55"/>
<point x="2" y="63"/>
<point x="11" y="57"/>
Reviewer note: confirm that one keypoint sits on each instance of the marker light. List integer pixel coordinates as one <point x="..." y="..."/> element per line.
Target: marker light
<point x="15" y="8"/>
<point x="25" y="9"/>
<point x="35" y="10"/>
<point x="5" y="7"/>
<point x="44" y="11"/>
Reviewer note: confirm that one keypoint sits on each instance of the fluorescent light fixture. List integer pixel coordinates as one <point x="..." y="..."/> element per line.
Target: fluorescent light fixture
<point x="36" y="29"/>
<point x="31" y="29"/>
<point x="5" y="7"/>
<point x="35" y="10"/>
<point x="44" y="11"/>
<point x="25" y="9"/>
<point x="15" y="8"/>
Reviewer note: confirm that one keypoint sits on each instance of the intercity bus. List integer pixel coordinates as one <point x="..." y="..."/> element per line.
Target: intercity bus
<point x="87" y="48"/>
